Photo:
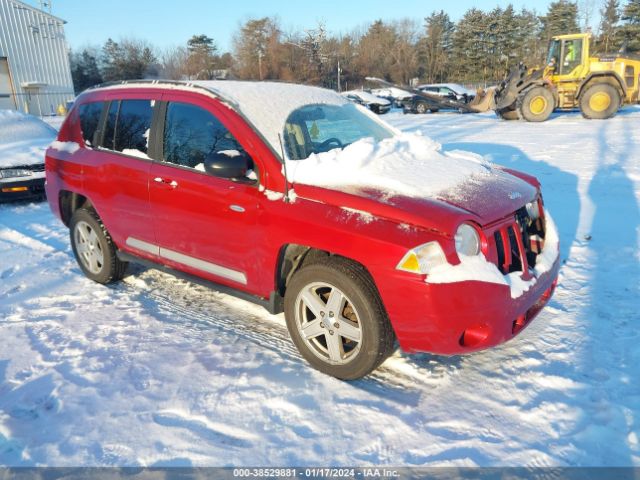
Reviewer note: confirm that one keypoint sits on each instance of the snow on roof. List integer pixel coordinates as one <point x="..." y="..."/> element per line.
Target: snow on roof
<point x="394" y="92"/>
<point x="367" y="97"/>
<point x="23" y="139"/>
<point x="267" y="105"/>
<point x="456" y="87"/>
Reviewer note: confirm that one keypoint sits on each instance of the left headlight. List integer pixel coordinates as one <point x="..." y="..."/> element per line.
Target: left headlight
<point x="15" y="172"/>
<point x="467" y="240"/>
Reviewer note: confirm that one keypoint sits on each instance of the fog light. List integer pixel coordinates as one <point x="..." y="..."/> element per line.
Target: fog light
<point x="14" y="189"/>
<point x="474" y="336"/>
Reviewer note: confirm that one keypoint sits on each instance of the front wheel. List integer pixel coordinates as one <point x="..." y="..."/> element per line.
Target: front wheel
<point x="421" y="108"/>
<point x="537" y="104"/>
<point x="600" y="101"/>
<point x="508" y="114"/>
<point x="93" y="248"/>
<point x="336" y="319"/>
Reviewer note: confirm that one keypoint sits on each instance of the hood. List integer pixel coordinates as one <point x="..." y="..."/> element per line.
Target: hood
<point x="409" y="179"/>
<point x="480" y="199"/>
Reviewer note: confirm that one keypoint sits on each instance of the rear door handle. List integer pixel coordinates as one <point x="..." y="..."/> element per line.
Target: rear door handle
<point x="166" y="181"/>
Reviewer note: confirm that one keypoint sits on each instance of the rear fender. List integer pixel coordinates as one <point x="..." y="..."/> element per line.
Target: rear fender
<point x="612" y="78"/>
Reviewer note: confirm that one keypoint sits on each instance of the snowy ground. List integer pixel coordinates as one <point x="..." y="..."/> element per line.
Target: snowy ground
<point x="155" y="371"/>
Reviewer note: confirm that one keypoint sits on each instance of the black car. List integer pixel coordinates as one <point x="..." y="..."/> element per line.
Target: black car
<point x="418" y="104"/>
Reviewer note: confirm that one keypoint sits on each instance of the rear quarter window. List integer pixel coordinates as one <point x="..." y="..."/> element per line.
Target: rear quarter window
<point x="90" y="114"/>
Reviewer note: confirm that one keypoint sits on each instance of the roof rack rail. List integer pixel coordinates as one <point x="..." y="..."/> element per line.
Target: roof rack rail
<point x="181" y="83"/>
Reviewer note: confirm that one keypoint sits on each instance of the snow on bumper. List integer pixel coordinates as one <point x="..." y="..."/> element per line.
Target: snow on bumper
<point x="475" y="309"/>
<point x="478" y="269"/>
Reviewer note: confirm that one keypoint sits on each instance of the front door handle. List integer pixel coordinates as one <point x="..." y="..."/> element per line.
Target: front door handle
<point x="166" y="181"/>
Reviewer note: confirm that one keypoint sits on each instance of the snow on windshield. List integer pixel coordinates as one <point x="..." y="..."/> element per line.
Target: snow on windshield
<point x="405" y="164"/>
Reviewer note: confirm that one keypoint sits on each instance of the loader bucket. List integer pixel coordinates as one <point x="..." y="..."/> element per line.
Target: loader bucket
<point x="484" y="100"/>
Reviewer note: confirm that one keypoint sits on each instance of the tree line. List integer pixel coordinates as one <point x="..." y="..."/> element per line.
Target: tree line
<point x="477" y="49"/>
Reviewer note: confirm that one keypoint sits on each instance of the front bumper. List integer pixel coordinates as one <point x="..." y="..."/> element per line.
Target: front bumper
<point x="461" y="317"/>
<point x="21" y="188"/>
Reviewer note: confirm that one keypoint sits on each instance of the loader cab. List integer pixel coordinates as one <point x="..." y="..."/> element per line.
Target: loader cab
<point x="568" y="56"/>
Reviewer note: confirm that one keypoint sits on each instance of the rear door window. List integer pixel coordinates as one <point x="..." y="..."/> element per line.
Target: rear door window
<point x="90" y="114"/>
<point x="128" y="127"/>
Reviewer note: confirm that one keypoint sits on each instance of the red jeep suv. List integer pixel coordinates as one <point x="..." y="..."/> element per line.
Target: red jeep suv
<point x="297" y="199"/>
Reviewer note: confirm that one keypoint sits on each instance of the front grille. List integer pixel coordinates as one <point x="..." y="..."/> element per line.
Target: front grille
<point x="518" y="242"/>
<point x="38" y="167"/>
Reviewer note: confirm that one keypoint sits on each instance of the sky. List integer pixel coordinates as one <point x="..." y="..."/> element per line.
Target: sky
<point x="169" y="23"/>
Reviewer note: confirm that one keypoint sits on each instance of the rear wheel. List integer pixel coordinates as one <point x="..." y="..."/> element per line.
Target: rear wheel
<point x="336" y="319"/>
<point x="536" y="105"/>
<point x="600" y="101"/>
<point x="93" y="248"/>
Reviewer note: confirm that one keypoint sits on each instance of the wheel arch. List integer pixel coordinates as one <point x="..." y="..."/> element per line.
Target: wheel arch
<point x="69" y="202"/>
<point x="611" y="78"/>
<point x="292" y="257"/>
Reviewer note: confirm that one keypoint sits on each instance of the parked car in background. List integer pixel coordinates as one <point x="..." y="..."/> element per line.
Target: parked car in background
<point x="395" y="95"/>
<point x="23" y="141"/>
<point x="372" y="102"/>
<point x="418" y="104"/>
<point x="372" y="236"/>
<point x="452" y="91"/>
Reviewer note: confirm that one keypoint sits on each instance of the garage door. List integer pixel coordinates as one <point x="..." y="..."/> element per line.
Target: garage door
<point x="6" y="90"/>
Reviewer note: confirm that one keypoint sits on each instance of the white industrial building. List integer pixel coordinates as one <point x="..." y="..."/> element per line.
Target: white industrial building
<point x="35" y="76"/>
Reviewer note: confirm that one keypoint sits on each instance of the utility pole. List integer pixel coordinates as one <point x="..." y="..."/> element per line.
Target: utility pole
<point x="339" y="72"/>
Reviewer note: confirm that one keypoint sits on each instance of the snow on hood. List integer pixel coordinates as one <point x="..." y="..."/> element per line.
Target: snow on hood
<point x="267" y="105"/>
<point x="407" y="164"/>
<point x="23" y="139"/>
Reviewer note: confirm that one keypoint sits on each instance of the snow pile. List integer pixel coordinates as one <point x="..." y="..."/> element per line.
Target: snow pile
<point x="267" y="105"/>
<point x="23" y="139"/>
<point x="477" y="268"/>
<point x="407" y="164"/>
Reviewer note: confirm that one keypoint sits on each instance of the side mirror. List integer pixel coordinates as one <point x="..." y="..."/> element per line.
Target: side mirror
<point x="227" y="164"/>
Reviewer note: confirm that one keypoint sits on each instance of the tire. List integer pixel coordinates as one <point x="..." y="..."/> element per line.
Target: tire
<point x="508" y="114"/>
<point x="367" y="339"/>
<point x="536" y="105"/>
<point x="421" y="107"/>
<point x="93" y="248"/>
<point x="600" y="101"/>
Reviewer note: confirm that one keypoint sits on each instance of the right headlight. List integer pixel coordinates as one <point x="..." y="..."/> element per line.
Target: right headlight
<point x="423" y="259"/>
<point x="467" y="240"/>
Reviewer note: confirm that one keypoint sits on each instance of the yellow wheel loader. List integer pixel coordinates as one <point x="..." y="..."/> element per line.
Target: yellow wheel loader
<point x="597" y="85"/>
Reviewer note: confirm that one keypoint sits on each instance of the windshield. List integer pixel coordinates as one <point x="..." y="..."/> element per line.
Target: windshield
<point x="320" y="128"/>
<point x="554" y="53"/>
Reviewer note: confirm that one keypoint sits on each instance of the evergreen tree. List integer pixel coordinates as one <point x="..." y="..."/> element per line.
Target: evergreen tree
<point x="561" y="19"/>
<point x="630" y="30"/>
<point x="435" y="46"/>
<point x="202" y="60"/>
<point x="608" y="38"/>
<point x="84" y="70"/>
<point x="127" y="60"/>
<point x="470" y="47"/>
